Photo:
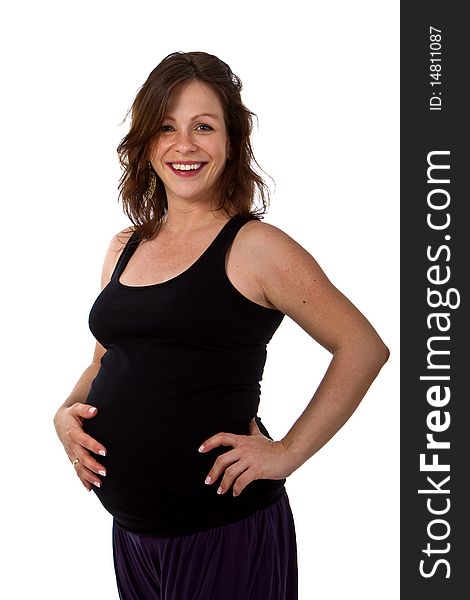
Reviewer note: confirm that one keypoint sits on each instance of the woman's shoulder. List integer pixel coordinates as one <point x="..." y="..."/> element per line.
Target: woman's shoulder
<point x="119" y="241"/>
<point x="267" y="240"/>
<point x="287" y="276"/>
<point x="277" y="261"/>
<point x="115" y="247"/>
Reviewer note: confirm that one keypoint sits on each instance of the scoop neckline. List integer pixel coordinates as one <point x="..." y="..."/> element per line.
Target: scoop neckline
<point x="176" y="277"/>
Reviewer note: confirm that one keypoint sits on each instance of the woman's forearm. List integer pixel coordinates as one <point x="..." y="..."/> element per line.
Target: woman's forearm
<point x="347" y="379"/>
<point x="82" y="387"/>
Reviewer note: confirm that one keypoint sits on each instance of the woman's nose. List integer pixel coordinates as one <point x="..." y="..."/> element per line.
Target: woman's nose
<point x="184" y="141"/>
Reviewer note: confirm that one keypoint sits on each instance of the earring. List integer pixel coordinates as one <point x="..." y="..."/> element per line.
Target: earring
<point x="153" y="182"/>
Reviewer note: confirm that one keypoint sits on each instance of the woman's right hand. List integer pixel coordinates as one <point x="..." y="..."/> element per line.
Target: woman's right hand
<point x="68" y="423"/>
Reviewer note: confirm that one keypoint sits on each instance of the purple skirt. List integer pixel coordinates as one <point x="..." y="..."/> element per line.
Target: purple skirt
<point x="254" y="558"/>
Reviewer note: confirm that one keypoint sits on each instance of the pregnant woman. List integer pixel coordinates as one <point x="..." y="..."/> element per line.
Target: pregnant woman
<point x="163" y="424"/>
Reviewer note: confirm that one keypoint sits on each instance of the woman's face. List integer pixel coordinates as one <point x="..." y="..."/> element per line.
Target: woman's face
<point x="193" y="133"/>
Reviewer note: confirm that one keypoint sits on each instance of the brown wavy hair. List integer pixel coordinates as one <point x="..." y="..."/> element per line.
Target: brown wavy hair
<point x="239" y="185"/>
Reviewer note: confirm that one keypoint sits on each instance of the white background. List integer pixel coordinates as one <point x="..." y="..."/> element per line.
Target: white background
<point x="323" y="79"/>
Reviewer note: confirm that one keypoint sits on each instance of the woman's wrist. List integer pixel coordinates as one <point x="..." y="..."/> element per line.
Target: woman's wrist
<point x="294" y="457"/>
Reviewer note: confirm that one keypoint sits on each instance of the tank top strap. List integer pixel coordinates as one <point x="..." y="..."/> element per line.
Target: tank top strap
<point x="230" y="231"/>
<point x="125" y="256"/>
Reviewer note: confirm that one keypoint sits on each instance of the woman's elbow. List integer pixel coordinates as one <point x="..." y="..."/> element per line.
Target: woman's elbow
<point x="380" y="353"/>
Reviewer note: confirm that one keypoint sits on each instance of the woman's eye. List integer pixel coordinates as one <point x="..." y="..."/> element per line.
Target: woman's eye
<point x="204" y="127"/>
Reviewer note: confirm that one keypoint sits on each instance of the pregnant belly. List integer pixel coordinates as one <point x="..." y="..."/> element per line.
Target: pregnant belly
<point x="152" y="449"/>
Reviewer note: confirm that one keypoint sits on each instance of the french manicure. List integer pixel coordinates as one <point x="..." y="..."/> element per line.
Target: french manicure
<point x="208" y="479"/>
<point x="102" y="473"/>
<point x="102" y="452"/>
<point x="219" y="491"/>
<point x="92" y="409"/>
<point x="201" y="448"/>
<point x="97" y="483"/>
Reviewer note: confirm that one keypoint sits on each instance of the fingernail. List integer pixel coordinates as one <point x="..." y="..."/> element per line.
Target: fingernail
<point x="102" y="452"/>
<point x="102" y="473"/>
<point x="92" y="409"/>
<point x="208" y="479"/>
<point x="97" y="483"/>
<point x="201" y="448"/>
<point x="219" y="491"/>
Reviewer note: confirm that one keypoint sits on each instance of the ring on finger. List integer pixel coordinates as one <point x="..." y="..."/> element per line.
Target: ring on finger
<point x="74" y="462"/>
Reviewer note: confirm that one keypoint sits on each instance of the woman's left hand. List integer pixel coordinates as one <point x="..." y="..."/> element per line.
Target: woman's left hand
<point x="253" y="457"/>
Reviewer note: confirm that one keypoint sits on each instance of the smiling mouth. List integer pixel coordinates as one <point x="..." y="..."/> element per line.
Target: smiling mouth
<point x="187" y="165"/>
<point x="186" y="169"/>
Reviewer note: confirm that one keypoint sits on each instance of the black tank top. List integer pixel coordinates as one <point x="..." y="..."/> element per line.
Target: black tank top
<point x="184" y="360"/>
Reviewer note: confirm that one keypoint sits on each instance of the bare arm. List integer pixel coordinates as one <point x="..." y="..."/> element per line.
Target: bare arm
<point x="68" y="418"/>
<point x="351" y="371"/>
<point x="292" y="281"/>
<point x="297" y="286"/>
<point x="82" y="387"/>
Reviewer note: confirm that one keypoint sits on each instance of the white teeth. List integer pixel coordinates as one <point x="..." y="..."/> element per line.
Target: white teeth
<point x="193" y="167"/>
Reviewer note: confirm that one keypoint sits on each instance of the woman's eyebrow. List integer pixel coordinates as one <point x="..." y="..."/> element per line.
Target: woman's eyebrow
<point x="211" y="115"/>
